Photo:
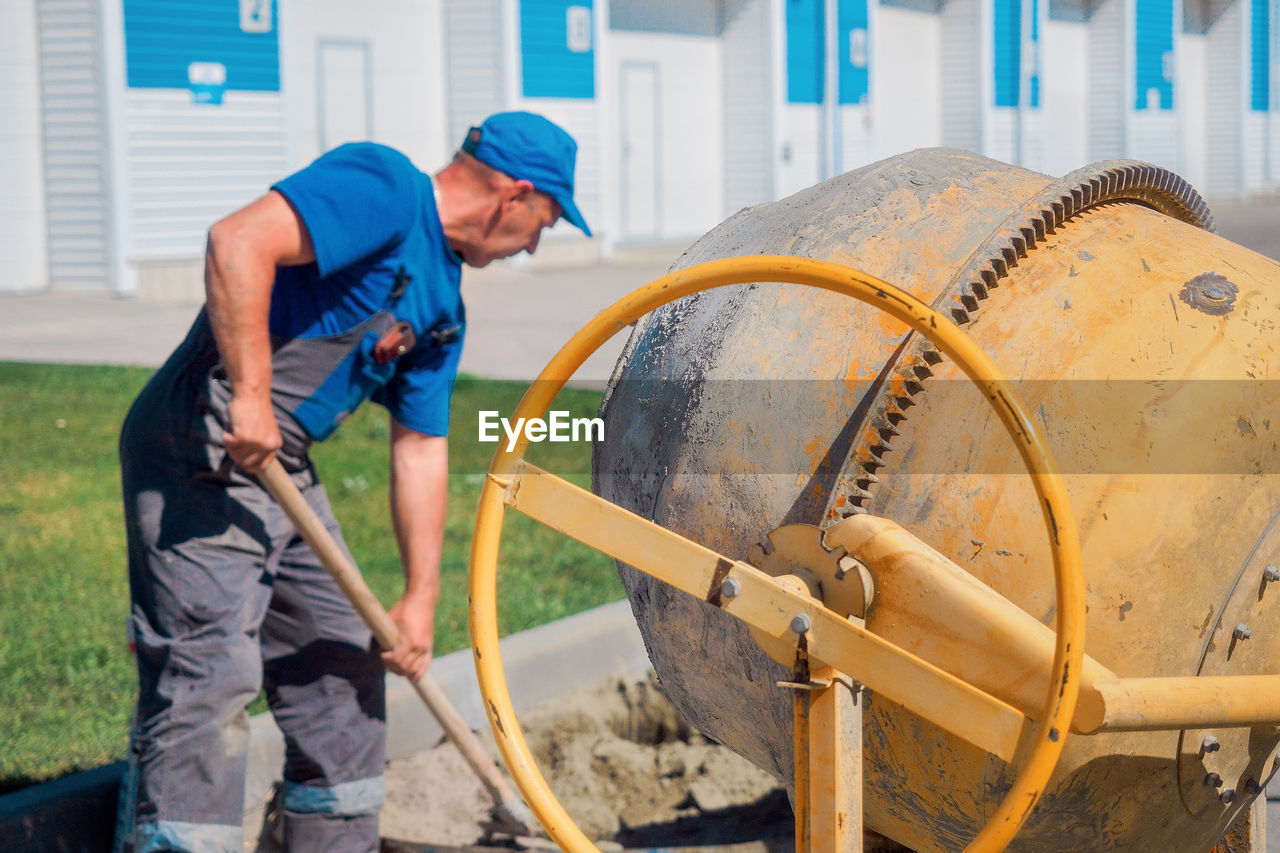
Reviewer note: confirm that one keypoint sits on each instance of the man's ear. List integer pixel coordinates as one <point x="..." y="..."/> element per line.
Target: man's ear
<point x="518" y="191"/>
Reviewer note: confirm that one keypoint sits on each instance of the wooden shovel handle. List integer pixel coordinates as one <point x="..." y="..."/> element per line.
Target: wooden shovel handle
<point x="385" y="631"/>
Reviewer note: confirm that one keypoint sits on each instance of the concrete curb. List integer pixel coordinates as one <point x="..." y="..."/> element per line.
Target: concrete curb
<point x="77" y="813"/>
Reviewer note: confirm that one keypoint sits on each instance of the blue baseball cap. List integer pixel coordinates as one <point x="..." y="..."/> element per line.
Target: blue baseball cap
<point x="530" y="148"/>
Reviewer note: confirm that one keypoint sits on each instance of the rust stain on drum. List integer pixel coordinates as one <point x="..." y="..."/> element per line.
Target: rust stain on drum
<point x="1211" y="293"/>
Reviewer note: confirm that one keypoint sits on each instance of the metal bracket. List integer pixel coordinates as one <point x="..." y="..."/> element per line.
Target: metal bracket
<point x="833" y="575"/>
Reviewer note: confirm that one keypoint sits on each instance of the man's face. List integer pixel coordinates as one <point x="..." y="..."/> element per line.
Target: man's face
<point x="517" y="226"/>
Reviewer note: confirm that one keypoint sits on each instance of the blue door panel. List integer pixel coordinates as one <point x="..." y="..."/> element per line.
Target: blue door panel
<point x="557" y="62"/>
<point x="164" y="37"/>
<point x="1153" y="37"/>
<point x="1007" y="59"/>
<point x="807" y="51"/>
<point x="855" y="51"/>
<point x="1260" y="55"/>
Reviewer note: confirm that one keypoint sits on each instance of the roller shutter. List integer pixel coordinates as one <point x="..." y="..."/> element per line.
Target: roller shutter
<point x="750" y="153"/>
<point x="1108" y="81"/>
<point x="77" y="186"/>
<point x="1226" y="97"/>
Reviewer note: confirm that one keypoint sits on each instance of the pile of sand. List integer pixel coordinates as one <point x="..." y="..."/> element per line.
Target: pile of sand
<point x="623" y="764"/>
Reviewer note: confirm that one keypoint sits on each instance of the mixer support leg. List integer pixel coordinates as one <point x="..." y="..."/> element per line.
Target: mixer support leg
<point x="828" y="773"/>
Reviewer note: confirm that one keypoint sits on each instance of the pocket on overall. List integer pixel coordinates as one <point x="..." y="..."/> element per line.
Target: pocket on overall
<point x="351" y="383"/>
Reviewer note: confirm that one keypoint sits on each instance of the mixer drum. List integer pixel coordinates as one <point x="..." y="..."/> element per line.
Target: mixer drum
<point x="1140" y="340"/>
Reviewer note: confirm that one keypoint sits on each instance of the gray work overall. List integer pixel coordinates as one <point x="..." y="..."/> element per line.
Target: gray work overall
<point x="227" y="599"/>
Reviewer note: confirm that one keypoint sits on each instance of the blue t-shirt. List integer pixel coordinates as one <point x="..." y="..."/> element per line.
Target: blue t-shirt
<point x="374" y="225"/>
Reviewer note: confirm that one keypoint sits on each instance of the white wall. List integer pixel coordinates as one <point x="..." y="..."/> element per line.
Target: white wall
<point x="23" y="251"/>
<point x="1063" y="90"/>
<point x="690" y="127"/>
<point x="406" y="45"/>
<point x="906" y="80"/>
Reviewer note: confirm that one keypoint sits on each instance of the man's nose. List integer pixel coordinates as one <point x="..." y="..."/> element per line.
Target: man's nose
<point x="532" y="245"/>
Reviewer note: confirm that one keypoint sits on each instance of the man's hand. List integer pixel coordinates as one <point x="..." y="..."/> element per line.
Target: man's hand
<point x="254" y="437"/>
<point x="415" y="613"/>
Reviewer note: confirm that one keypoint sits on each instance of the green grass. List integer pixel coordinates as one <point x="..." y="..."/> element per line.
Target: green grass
<point x="66" y="677"/>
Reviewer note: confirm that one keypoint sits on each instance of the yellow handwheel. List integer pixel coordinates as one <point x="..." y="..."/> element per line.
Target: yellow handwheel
<point x="1051" y="732"/>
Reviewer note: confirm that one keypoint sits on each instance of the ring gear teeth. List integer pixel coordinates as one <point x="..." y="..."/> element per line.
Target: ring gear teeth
<point x="1102" y="183"/>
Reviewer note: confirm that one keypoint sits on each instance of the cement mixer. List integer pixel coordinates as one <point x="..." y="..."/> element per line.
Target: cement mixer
<point x="812" y="478"/>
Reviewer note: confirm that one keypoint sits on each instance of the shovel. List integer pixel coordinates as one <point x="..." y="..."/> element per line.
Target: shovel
<point x="508" y="815"/>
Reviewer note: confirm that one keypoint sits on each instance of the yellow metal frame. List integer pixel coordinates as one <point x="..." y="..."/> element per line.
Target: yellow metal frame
<point x="508" y="468"/>
<point x="768" y="604"/>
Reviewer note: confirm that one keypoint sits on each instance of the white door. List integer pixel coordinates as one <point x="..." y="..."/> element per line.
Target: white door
<point x="344" y="113"/>
<point x="639" y="134"/>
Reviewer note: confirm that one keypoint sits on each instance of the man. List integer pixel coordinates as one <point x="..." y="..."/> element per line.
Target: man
<point x="339" y="285"/>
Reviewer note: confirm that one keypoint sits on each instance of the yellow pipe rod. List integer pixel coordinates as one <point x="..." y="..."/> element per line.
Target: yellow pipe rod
<point x="1192" y="702"/>
<point x="927" y="605"/>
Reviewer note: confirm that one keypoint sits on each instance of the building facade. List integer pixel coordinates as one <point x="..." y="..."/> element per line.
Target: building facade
<point x="134" y="124"/>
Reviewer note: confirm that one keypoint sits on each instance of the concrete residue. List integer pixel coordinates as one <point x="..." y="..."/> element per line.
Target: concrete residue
<point x="623" y="764"/>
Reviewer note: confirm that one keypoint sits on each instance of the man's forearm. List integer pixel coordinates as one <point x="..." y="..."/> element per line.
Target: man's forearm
<point x="238" y="297"/>
<point x="419" y="499"/>
<point x="419" y="492"/>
